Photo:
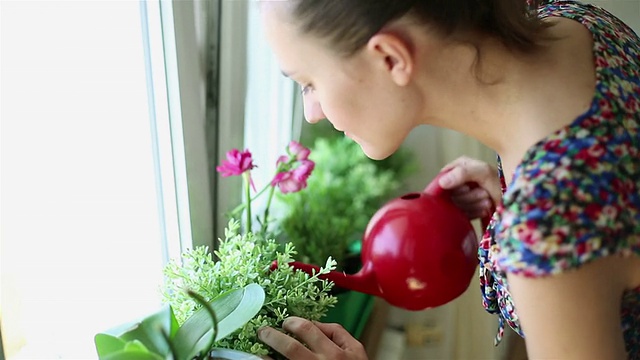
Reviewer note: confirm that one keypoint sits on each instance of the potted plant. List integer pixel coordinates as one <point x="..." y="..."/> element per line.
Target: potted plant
<point x="245" y="258"/>
<point x="200" y="285"/>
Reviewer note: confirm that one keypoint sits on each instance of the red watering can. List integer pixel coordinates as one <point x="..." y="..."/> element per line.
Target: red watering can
<point x="418" y="252"/>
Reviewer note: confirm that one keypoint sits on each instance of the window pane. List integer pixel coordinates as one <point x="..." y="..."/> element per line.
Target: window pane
<point x="80" y="233"/>
<point x="270" y="105"/>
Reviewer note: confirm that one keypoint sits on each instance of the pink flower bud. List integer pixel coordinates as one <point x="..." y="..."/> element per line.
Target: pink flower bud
<point x="298" y="150"/>
<point x="294" y="180"/>
<point x="283" y="159"/>
<point x="287" y="182"/>
<point x="303" y="171"/>
<point x="237" y="162"/>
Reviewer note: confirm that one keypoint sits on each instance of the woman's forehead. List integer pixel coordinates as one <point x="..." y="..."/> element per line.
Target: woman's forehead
<point x="280" y="8"/>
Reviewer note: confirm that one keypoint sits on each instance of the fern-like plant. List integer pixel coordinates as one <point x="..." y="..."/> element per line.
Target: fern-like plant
<point x="245" y="258"/>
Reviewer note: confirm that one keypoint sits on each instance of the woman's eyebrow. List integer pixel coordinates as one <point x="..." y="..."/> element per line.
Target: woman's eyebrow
<point x="286" y="74"/>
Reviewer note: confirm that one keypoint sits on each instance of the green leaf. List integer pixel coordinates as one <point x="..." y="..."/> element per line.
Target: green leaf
<point x="112" y="348"/>
<point x="135" y="346"/>
<point x="232" y="317"/>
<point x="238" y="315"/>
<point x="133" y="354"/>
<point x="107" y="344"/>
<point x="233" y="309"/>
<point x="149" y="331"/>
<point x="203" y="345"/>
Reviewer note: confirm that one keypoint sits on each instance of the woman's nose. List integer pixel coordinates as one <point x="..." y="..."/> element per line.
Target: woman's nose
<point x="312" y="110"/>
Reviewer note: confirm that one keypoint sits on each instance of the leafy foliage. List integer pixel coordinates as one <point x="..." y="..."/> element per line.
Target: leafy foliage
<point x="159" y="337"/>
<point x="346" y="189"/>
<point x="244" y="259"/>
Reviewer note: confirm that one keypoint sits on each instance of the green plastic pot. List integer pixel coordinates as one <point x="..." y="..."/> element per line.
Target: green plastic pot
<point x="353" y="308"/>
<point x="352" y="312"/>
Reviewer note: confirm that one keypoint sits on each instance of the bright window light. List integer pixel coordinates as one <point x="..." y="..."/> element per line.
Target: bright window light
<point x="81" y="247"/>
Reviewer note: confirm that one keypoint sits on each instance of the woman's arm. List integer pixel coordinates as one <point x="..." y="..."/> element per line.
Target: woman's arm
<point x="574" y="315"/>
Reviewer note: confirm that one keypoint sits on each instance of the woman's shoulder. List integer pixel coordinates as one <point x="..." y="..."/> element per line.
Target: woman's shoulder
<point x="616" y="47"/>
<point x="597" y="19"/>
<point x="615" y="105"/>
<point x="574" y="198"/>
<point x="552" y="220"/>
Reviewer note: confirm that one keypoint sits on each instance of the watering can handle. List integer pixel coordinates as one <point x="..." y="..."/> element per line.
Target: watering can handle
<point x="435" y="189"/>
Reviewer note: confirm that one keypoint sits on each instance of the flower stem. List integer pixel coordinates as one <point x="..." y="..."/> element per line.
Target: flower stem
<point x="242" y="206"/>
<point x="266" y="212"/>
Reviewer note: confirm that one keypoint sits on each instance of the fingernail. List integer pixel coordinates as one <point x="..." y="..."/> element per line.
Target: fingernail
<point x="262" y="332"/>
<point x="445" y="180"/>
<point x="289" y="320"/>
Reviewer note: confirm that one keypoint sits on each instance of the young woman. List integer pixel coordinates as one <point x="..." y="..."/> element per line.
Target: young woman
<point x="554" y="89"/>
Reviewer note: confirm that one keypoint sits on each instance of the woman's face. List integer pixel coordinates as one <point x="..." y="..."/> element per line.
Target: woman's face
<point x="356" y="94"/>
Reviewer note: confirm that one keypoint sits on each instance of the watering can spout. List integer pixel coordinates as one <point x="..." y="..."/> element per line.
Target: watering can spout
<point x="364" y="281"/>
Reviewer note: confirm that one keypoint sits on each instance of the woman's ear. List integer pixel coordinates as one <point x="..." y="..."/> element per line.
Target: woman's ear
<point x="393" y="54"/>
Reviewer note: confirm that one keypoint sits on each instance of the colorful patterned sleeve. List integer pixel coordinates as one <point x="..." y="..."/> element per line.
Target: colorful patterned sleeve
<point x="574" y="199"/>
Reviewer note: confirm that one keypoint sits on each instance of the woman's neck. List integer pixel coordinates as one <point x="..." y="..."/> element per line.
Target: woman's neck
<point x="509" y="101"/>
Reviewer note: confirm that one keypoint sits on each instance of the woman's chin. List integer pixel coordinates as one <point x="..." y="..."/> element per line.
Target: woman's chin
<point x="373" y="152"/>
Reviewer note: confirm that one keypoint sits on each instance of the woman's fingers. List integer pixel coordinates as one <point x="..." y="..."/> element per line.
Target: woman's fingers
<point x="473" y="199"/>
<point x="464" y="170"/>
<point x="466" y="195"/>
<point x="284" y="344"/>
<point x="474" y="186"/>
<point x="341" y="337"/>
<point x="310" y="334"/>
<point x="323" y="341"/>
<point x="306" y="332"/>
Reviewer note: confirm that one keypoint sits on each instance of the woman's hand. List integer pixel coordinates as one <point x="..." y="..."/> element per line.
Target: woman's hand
<point x="324" y="341"/>
<point x="476" y="202"/>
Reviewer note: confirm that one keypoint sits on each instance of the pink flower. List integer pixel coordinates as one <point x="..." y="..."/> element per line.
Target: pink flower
<point x="298" y="150"/>
<point x="287" y="183"/>
<point x="283" y="159"/>
<point x="294" y="180"/>
<point x="303" y="171"/>
<point x="237" y="162"/>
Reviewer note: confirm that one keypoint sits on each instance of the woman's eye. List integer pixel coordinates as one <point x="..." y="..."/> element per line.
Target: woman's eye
<point x="305" y="89"/>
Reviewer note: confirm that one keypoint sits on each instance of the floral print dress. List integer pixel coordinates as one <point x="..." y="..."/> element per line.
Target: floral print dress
<point x="575" y="197"/>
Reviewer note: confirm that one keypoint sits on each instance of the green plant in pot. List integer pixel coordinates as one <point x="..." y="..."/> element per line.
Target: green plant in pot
<point x="244" y="259"/>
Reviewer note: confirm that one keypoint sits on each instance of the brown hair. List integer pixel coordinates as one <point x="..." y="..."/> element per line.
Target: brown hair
<point x="348" y="24"/>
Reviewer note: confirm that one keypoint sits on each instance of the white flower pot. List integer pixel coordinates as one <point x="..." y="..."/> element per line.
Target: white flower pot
<point x="228" y="354"/>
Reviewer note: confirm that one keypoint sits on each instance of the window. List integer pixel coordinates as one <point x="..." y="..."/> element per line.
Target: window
<point x="93" y="172"/>
<point x="113" y="116"/>
<point x="259" y="108"/>
<point x="272" y="102"/>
